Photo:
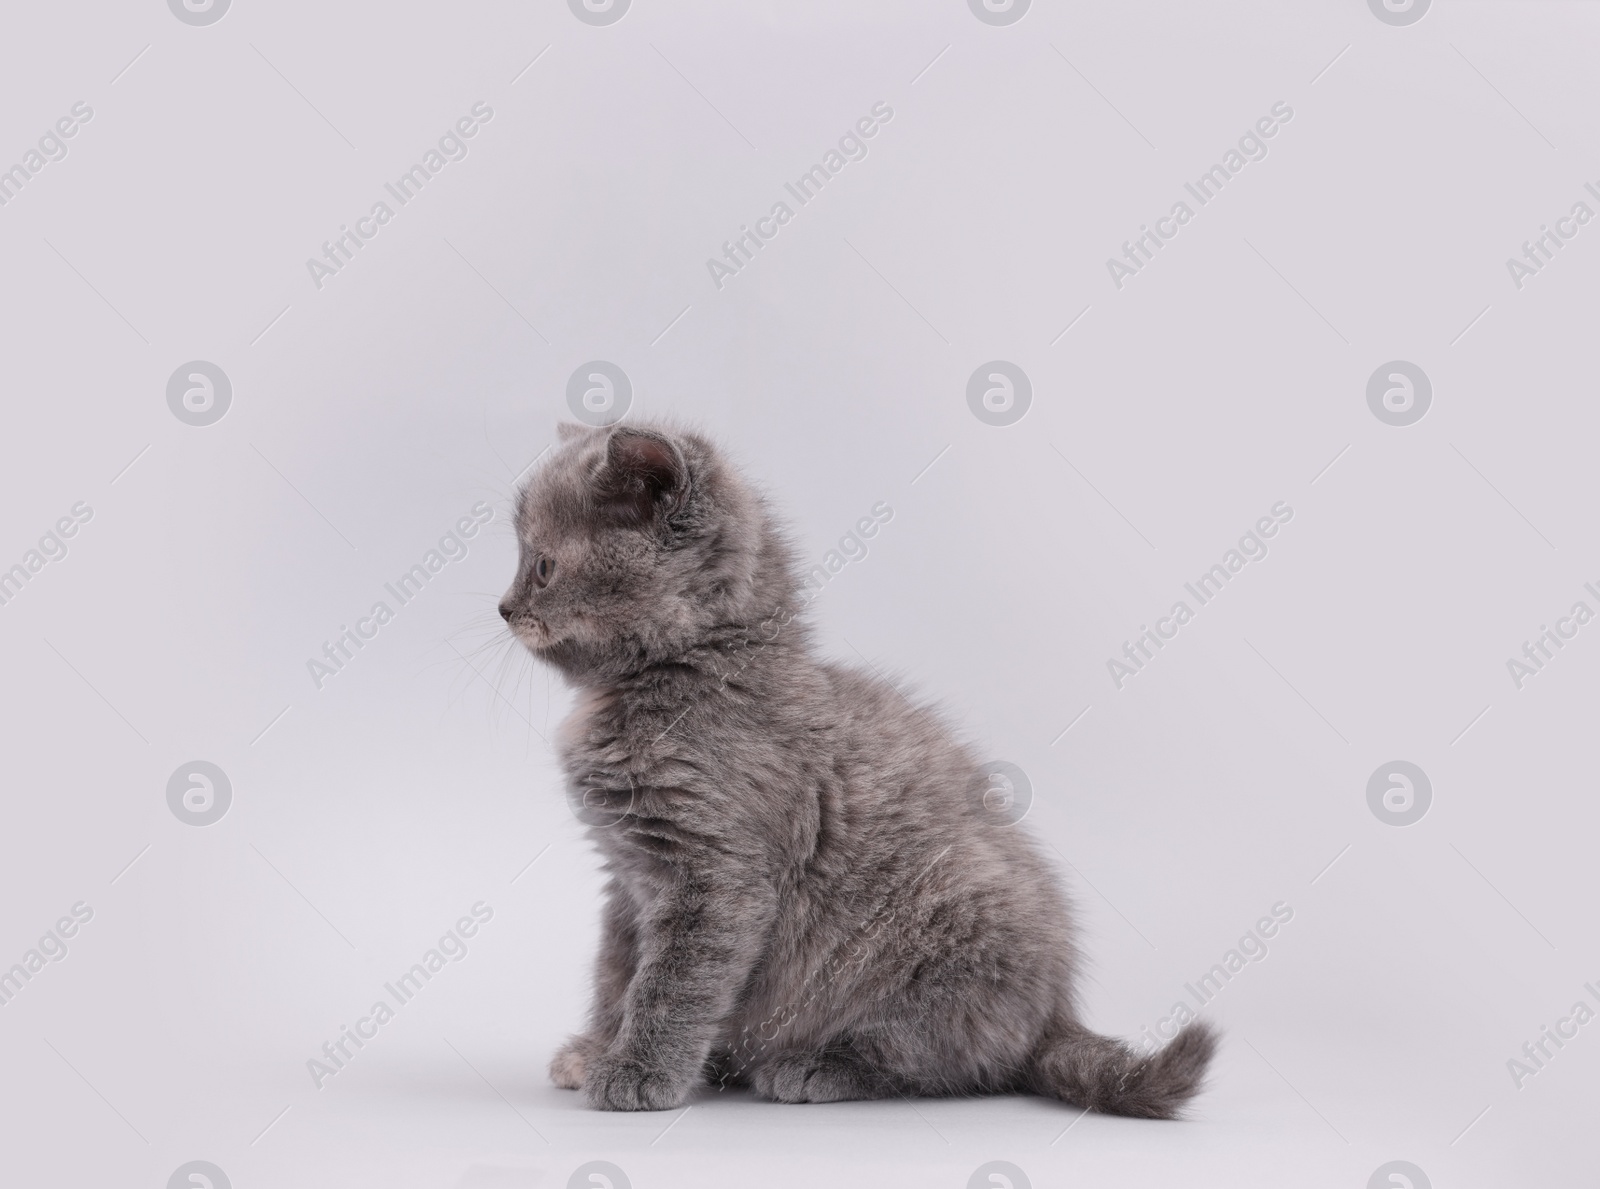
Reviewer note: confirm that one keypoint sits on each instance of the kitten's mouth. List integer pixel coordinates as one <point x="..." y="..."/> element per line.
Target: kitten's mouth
<point x="537" y="636"/>
<point x="533" y="633"/>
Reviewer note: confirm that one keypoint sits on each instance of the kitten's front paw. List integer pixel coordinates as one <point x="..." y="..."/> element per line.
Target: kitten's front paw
<point x="567" y="1066"/>
<point x="621" y="1082"/>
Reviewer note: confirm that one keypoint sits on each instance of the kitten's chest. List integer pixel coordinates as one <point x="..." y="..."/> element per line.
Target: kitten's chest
<point x="637" y="777"/>
<point x="611" y="751"/>
<point x="634" y="739"/>
<point x="588" y="723"/>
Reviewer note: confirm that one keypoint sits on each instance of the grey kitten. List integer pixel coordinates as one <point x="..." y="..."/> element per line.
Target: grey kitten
<point x="806" y="894"/>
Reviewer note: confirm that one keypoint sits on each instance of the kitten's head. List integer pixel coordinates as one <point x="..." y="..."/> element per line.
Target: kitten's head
<point x="637" y="545"/>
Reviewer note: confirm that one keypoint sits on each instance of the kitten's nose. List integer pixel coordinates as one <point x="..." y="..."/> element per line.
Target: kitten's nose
<point x="505" y="612"/>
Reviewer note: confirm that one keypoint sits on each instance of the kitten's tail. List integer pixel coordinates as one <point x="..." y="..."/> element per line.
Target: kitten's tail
<point x="1100" y="1073"/>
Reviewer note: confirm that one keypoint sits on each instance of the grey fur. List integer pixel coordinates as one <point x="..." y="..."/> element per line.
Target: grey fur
<point x="806" y="896"/>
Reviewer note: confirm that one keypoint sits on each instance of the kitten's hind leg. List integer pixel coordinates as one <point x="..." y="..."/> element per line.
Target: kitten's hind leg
<point x="836" y="1073"/>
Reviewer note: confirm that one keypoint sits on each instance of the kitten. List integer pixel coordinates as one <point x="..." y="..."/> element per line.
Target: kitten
<point x="806" y="895"/>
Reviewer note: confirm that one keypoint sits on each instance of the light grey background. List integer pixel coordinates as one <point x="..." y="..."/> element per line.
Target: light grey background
<point x="1167" y="417"/>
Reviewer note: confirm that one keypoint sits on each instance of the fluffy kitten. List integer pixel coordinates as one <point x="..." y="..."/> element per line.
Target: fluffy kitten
<point x="807" y="895"/>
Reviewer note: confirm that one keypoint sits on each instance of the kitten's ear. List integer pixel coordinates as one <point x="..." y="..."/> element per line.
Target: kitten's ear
<point x="567" y="430"/>
<point x="644" y="476"/>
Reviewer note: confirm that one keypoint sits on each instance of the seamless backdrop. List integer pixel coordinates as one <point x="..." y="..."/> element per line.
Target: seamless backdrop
<point x="1282" y="314"/>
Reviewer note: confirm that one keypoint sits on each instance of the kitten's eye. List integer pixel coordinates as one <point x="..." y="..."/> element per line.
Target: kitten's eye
<point x="543" y="570"/>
